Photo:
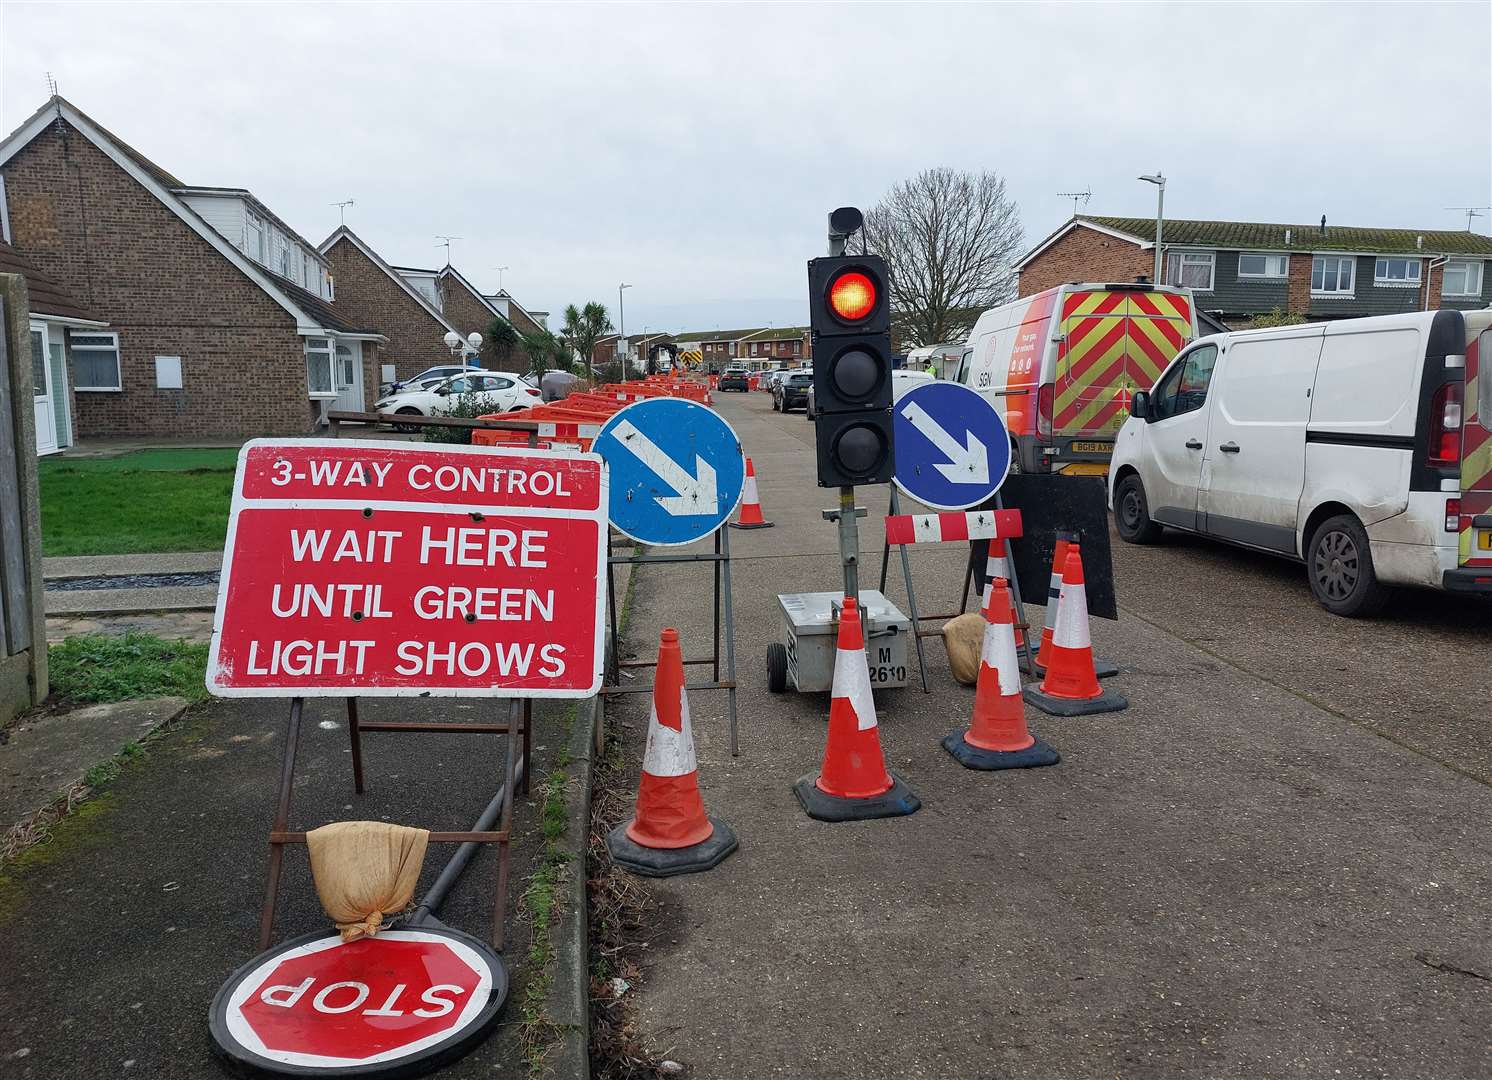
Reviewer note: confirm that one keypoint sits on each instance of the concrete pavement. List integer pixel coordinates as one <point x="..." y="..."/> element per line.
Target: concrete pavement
<point x="1232" y="878"/>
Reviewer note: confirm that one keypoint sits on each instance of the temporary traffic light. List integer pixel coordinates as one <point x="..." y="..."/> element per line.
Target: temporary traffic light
<point x="849" y="309"/>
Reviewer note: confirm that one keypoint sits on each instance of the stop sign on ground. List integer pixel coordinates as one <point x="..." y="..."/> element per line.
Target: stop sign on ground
<point x="399" y="1003"/>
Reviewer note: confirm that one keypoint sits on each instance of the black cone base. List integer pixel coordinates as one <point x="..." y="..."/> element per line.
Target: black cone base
<point x="896" y="801"/>
<point x="666" y="862"/>
<point x="758" y="525"/>
<point x="976" y="757"/>
<point x="1108" y="701"/>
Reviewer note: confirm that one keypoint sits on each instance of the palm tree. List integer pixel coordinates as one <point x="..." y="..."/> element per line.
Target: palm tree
<point x="502" y="339"/>
<point x="584" y="327"/>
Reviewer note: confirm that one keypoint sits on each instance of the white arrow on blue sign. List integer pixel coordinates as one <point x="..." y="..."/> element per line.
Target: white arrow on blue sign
<point x="952" y="448"/>
<point x="676" y="470"/>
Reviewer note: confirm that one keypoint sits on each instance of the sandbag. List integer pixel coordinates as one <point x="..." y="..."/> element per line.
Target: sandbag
<point x="365" y="870"/>
<point x="963" y="637"/>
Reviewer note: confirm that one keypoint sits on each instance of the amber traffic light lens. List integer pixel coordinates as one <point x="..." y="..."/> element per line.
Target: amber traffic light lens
<point x="852" y="296"/>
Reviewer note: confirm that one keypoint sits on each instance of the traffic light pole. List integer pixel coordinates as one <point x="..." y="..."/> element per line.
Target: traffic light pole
<point x="849" y="538"/>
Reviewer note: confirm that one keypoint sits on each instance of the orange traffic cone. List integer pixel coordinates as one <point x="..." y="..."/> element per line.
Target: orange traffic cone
<point x="997" y="737"/>
<point x="853" y="783"/>
<point x="1102" y="668"/>
<point x="751" y="505"/>
<point x="670" y="833"/>
<point x="1071" y="685"/>
<point x="998" y="565"/>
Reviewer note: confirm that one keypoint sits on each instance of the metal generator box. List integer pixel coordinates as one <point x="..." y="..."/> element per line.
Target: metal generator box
<point x="811" y="633"/>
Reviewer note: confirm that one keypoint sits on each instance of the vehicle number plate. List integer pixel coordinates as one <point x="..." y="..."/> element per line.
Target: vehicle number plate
<point x="1484" y="539"/>
<point x="1092" y="448"/>
<point x="888" y="673"/>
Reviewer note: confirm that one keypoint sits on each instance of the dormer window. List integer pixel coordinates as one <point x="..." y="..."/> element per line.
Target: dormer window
<point x="253" y="237"/>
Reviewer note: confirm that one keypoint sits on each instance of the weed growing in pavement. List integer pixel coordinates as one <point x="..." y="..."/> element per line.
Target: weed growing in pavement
<point x="93" y="668"/>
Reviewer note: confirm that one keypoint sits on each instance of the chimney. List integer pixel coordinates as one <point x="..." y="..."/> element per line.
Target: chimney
<point x="1287" y="237"/>
<point x="1323" y="224"/>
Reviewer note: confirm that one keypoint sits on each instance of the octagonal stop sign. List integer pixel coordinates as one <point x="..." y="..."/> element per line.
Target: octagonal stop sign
<point x="398" y="1004"/>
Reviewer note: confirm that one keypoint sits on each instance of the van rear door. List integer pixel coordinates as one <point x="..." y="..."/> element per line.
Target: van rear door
<point x="1475" y="541"/>
<point x="1114" y="341"/>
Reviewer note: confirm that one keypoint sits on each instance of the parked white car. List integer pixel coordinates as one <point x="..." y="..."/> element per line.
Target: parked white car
<point x="1351" y="446"/>
<point x="503" y="393"/>
<point x="429" y="377"/>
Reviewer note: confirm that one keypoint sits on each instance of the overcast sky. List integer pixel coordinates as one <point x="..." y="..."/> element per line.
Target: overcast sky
<point x="693" y="151"/>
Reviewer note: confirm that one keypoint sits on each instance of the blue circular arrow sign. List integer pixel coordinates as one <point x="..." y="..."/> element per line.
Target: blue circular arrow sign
<point x="952" y="448"/>
<point x="676" y="470"/>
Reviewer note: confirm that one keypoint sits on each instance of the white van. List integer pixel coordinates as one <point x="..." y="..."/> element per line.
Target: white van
<point x="1338" y="444"/>
<point x="1061" y="366"/>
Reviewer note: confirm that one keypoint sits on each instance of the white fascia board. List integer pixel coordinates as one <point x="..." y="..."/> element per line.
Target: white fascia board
<point x="167" y="198"/>
<point x="68" y="320"/>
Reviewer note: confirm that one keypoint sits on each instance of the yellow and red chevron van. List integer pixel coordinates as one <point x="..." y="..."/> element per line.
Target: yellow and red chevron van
<point x="1061" y="366"/>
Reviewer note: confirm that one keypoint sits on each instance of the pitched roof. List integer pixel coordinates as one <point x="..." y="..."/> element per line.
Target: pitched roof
<point x="780" y="333"/>
<point x="165" y="188"/>
<point x="326" y="313"/>
<point x="718" y="335"/>
<point x="451" y="272"/>
<point x="1252" y="235"/>
<point x="47" y="296"/>
<point x="344" y="233"/>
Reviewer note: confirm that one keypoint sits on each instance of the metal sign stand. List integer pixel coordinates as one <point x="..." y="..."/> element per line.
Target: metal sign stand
<point x="1028" y="662"/>
<point x="515" y="773"/>
<point x="724" y="627"/>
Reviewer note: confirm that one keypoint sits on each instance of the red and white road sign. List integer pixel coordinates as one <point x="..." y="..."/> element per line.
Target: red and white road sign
<point x="370" y="568"/>
<point x="318" y="1003"/>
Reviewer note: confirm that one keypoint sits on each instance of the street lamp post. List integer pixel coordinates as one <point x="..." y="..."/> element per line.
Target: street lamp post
<point x="622" y="330"/>
<point x="473" y="341"/>
<point x="1160" y="215"/>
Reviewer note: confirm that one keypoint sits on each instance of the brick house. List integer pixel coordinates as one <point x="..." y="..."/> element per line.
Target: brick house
<point x="407" y="304"/>
<point x="1240" y="269"/>
<point x="788" y="346"/>
<point x="524" y="320"/>
<point x="55" y="313"/>
<point x="720" y="349"/>
<point x="220" y="319"/>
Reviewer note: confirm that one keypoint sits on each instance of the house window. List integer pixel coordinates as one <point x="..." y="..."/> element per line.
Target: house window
<point x="1331" y="275"/>
<point x="1396" y="272"/>
<point x="319" y="367"/>
<point x="253" y="238"/>
<point x="1252" y="264"/>
<point x="1462" y="278"/>
<point x="797" y="348"/>
<point x="1191" y="269"/>
<point x="96" y="362"/>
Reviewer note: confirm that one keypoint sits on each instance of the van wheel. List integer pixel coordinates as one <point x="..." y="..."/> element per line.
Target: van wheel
<point x="1339" y="563"/>
<point x="1132" y="513"/>
<point x="1015" y="458"/>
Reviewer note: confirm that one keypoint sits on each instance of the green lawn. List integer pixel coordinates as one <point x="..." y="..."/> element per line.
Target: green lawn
<point x="91" y="668"/>
<point x="150" y="500"/>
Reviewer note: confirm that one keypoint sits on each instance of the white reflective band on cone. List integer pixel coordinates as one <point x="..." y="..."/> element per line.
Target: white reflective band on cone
<point x="670" y="752"/>
<point x="1071" y="630"/>
<point x="998" y="652"/>
<point x="749" y="490"/>
<point x="995" y="567"/>
<point x="852" y="680"/>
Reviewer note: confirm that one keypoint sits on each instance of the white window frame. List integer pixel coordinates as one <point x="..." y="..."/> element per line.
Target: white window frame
<point x="1469" y="264"/>
<point x="76" y="347"/>
<point x="1383" y="282"/>
<point x="1283" y="262"/>
<point x="327" y="351"/>
<point x="1195" y="258"/>
<point x="254" y="226"/>
<point x="1349" y="293"/>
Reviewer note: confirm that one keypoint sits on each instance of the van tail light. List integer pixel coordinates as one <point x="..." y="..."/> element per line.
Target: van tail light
<point x="1452" y="515"/>
<point x="1045" y="395"/>
<point x="1445" y="425"/>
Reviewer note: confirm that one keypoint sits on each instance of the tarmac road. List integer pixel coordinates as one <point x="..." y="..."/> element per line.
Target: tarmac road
<point x="1237" y="877"/>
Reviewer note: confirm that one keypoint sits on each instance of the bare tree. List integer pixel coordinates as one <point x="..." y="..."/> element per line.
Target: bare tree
<point x="950" y="239"/>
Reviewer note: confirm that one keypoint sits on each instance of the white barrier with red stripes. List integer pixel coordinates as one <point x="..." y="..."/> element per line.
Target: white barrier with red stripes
<point x="963" y="525"/>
